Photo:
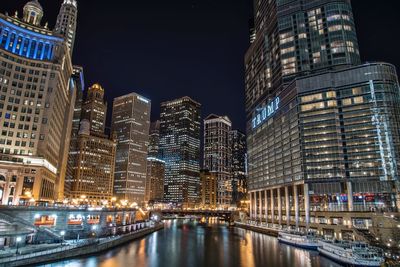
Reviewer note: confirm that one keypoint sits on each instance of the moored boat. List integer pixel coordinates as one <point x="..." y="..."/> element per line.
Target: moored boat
<point x="299" y="239"/>
<point x="355" y="254"/>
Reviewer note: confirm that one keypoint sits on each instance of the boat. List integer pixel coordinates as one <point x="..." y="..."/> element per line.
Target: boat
<point x="348" y="253"/>
<point x="299" y="239"/>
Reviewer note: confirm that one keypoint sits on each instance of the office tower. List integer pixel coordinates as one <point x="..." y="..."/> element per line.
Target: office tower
<point x="93" y="176"/>
<point x="209" y="190"/>
<point x="130" y="124"/>
<point x="154" y="139"/>
<point x="217" y="155"/>
<point x="91" y="162"/>
<point x="323" y="131"/>
<point x="94" y="109"/>
<point x="67" y="22"/>
<point x="155" y="180"/>
<point x="237" y="141"/>
<point x="78" y="82"/>
<point x="36" y="109"/>
<point x="180" y="149"/>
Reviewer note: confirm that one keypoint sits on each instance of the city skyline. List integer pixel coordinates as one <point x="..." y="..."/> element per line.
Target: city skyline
<point x="226" y="77"/>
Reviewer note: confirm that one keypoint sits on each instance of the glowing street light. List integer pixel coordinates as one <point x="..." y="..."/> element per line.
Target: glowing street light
<point x="18" y="239"/>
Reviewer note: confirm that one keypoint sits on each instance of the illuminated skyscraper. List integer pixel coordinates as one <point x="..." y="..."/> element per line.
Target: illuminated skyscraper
<point x="180" y="149"/>
<point x="36" y="108"/>
<point x="94" y="109"/>
<point x="209" y="189"/>
<point x="154" y="139"/>
<point x="79" y="83"/>
<point x="217" y="155"/>
<point x="155" y="180"/>
<point x="130" y="124"/>
<point x="323" y="129"/>
<point x="237" y="141"/>
<point x="67" y="22"/>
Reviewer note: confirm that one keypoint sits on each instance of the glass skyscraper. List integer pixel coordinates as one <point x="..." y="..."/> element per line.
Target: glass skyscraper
<point x="180" y="150"/>
<point x="323" y="129"/>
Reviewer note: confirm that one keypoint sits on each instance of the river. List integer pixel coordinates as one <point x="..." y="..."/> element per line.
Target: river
<point x="185" y="243"/>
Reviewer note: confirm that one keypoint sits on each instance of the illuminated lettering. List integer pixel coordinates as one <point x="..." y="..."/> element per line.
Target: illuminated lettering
<point x="266" y="112"/>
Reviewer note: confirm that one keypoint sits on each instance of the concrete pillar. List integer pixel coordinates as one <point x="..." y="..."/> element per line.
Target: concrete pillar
<point x="287" y="206"/>
<point x="350" y="196"/>
<point x="272" y="207"/>
<point x="251" y="205"/>
<point x="255" y="206"/>
<point x="279" y="206"/>
<point x="266" y="207"/>
<point x="260" y="203"/>
<point x="296" y="205"/>
<point x="307" y="205"/>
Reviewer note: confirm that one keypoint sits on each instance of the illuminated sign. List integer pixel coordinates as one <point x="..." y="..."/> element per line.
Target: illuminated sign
<point x="266" y="112"/>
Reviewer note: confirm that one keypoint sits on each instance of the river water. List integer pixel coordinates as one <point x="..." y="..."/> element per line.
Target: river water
<point x="185" y="243"/>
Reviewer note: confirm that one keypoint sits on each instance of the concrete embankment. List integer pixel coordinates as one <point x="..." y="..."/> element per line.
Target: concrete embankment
<point x="258" y="229"/>
<point x="102" y="245"/>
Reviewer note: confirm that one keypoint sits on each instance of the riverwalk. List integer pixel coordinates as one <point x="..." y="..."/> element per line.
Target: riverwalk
<point x="71" y="250"/>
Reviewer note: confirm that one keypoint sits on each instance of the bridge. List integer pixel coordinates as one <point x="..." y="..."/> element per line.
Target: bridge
<point x="225" y="215"/>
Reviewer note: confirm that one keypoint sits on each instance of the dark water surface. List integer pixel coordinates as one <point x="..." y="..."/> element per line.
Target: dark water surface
<point x="185" y="243"/>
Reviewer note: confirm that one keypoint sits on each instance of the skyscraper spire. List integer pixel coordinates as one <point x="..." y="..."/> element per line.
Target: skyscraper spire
<point x="67" y="22"/>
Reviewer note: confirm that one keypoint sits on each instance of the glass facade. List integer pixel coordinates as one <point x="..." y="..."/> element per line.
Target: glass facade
<point x="180" y="150"/>
<point x="327" y="156"/>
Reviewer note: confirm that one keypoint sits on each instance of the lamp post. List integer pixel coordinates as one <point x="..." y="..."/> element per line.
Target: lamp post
<point x="62" y="233"/>
<point x="18" y="239"/>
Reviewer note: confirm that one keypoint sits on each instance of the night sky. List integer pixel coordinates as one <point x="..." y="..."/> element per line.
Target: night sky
<point x="168" y="49"/>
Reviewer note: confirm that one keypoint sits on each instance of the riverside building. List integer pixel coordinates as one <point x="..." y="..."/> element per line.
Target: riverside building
<point x="180" y="150"/>
<point x="218" y="156"/>
<point x="36" y="108"/>
<point x="323" y="128"/>
<point x="130" y="124"/>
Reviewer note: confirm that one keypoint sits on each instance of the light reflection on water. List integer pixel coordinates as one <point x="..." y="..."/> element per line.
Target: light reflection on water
<point x="185" y="243"/>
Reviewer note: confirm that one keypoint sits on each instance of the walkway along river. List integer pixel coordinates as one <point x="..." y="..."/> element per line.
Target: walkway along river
<point x="185" y="243"/>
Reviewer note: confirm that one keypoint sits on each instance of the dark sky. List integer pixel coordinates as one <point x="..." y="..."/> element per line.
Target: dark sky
<point x="165" y="49"/>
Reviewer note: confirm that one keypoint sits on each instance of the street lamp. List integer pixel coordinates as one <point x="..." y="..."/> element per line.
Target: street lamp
<point x="62" y="233"/>
<point x="18" y="239"/>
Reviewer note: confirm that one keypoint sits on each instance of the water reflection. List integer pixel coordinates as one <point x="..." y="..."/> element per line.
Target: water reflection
<point x="186" y="243"/>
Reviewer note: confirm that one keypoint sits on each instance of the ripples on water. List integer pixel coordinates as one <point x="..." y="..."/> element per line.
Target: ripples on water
<point x="185" y="243"/>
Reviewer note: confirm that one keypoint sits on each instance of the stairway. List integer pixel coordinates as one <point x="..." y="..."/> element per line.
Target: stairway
<point x="369" y="237"/>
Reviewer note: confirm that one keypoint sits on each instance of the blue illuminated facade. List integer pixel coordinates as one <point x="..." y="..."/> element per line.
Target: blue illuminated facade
<point x="27" y="43"/>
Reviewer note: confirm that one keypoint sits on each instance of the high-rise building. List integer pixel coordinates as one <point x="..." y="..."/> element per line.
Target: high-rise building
<point x="91" y="164"/>
<point x="323" y="131"/>
<point x="131" y="123"/>
<point x="180" y="149"/>
<point x="36" y="108"/>
<point x="94" y="109"/>
<point x="93" y="176"/>
<point x="67" y="22"/>
<point x="237" y="141"/>
<point x="79" y="83"/>
<point x="154" y="139"/>
<point x="155" y="180"/>
<point x="217" y="155"/>
<point x="209" y="189"/>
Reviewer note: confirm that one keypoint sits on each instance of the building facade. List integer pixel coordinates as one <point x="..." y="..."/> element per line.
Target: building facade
<point x="94" y="109"/>
<point x="322" y="128"/>
<point x="237" y="141"/>
<point x="91" y="162"/>
<point x="79" y="83"/>
<point x="180" y="149"/>
<point x="36" y="108"/>
<point x="67" y="22"/>
<point x="154" y="139"/>
<point x="130" y="124"/>
<point x="209" y="189"/>
<point x="155" y="180"/>
<point x="218" y="155"/>
<point x="93" y="177"/>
